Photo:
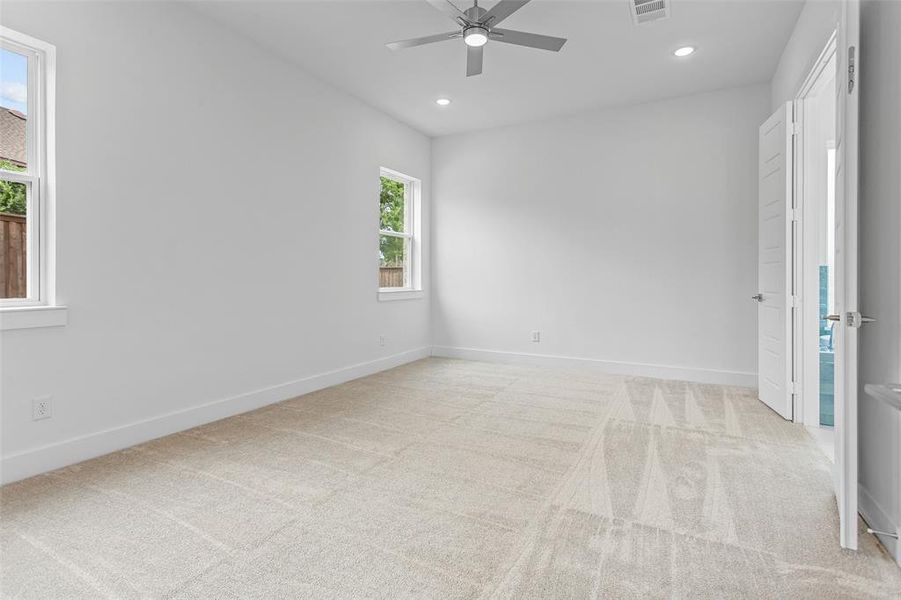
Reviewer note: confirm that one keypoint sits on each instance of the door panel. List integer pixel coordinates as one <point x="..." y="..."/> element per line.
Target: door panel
<point x="774" y="322"/>
<point x="846" y="286"/>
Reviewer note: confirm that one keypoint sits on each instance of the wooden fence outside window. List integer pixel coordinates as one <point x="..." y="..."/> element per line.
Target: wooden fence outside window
<point x="391" y="277"/>
<point x="13" y="263"/>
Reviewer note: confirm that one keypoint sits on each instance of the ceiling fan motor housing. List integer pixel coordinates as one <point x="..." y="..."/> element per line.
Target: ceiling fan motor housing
<point x="475" y="13"/>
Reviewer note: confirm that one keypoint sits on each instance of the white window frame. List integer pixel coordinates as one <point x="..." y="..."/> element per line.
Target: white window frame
<point x="39" y="308"/>
<point x="411" y="234"/>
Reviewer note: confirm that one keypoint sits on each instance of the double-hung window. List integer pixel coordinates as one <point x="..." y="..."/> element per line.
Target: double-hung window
<point x="26" y="182"/>
<point x="399" y="243"/>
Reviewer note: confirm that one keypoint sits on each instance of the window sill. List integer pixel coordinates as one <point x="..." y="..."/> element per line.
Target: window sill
<point x="391" y="295"/>
<point x="30" y="317"/>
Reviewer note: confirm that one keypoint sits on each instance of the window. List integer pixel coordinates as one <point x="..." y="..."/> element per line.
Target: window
<point x="399" y="243"/>
<point x="26" y="178"/>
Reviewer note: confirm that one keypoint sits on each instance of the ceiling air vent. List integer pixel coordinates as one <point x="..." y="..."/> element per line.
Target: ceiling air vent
<point x="645" y="11"/>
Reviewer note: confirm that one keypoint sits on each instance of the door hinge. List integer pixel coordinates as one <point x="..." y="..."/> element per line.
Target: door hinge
<point x="851" y="70"/>
<point x="796" y="128"/>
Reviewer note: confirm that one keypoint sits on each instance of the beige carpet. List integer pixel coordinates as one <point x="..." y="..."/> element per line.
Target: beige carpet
<point x="452" y="479"/>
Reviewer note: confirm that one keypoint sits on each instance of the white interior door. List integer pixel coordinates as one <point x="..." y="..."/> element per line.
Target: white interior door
<point x="774" y="265"/>
<point x="846" y="285"/>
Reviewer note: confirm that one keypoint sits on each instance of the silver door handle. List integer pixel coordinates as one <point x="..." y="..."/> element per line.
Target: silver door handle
<point x="854" y="319"/>
<point x="758" y="297"/>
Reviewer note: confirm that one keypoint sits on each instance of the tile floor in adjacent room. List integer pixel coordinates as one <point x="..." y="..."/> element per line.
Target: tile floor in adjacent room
<point x="452" y="479"/>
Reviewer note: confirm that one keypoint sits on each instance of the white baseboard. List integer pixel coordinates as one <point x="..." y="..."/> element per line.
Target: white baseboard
<point x="606" y="366"/>
<point x="53" y="456"/>
<point x="878" y="519"/>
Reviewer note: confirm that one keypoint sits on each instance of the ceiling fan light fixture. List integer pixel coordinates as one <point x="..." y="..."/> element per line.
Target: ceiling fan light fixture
<point x="477" y="25"/>
<point x="475" y="36"/>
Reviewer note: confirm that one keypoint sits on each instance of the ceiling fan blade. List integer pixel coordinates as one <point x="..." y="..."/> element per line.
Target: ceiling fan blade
<point x="429" y="39"/>
<point x="532" y="40"/>
<point x="448" y="8"/>
<point x="473" y="60"/>
<point x="502" y="10"/>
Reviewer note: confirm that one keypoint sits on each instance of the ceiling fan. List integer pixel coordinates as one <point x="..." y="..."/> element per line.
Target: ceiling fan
<point x="477" y="27"/>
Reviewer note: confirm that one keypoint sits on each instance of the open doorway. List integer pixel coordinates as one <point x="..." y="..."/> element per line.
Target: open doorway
<point x="815" y="156"/>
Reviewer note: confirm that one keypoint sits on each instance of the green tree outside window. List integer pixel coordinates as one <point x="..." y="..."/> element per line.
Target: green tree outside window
<point x="391" y="218"/>
<point x="12" y="194"/>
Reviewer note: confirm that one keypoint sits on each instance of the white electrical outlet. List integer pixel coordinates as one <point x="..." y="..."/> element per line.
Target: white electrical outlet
<point x="41" y="408"/>
<point x="536" y="336"/>
<point x="381" y="340"/>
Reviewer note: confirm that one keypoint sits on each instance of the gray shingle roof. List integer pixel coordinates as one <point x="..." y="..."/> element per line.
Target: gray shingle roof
<point x="12" y="136"/>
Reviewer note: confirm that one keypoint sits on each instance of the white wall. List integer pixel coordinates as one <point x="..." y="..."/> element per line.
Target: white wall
<point x="625" y="235"/>
<point x="217" y="227"/>
<point x="815" y="24"/>
<point x="880" y="261"/>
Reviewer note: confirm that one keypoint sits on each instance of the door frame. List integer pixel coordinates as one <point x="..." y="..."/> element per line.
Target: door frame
<point x="804" y="350"/>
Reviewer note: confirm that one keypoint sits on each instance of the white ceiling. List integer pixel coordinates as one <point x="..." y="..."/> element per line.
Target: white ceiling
<point x="607" y="61"/>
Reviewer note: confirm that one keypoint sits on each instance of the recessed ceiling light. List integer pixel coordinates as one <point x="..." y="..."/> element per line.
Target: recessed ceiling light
<point x="684" y="51"/>
<point x="442" y="101"/>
